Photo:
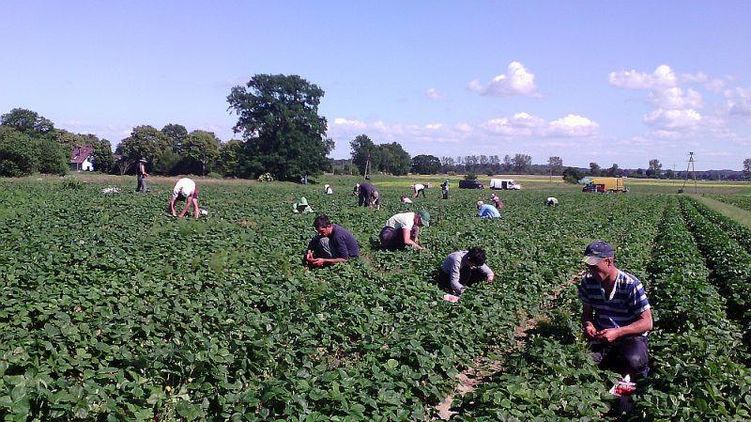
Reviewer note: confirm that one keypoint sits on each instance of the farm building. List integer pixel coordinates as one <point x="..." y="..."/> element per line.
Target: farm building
<point x="82" y="158"/>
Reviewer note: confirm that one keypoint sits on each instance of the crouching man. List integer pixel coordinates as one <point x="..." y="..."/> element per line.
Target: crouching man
<point x="332" y="245"/>
<point x="616" y="314"/>
<point x="462" y="269"/>
<point x="402" y="230"/>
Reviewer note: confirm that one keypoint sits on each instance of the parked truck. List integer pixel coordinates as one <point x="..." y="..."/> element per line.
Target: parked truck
<point x="605" y="184"/>
<point x="505" y="184"/>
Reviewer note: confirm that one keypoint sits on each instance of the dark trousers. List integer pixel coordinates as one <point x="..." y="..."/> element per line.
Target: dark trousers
<point x="627" y="355"/>
<point x="392" y="238"/>
<point x="141" y="183"/>
<point x="467" y="277"/>
<point x="445" y="194"/>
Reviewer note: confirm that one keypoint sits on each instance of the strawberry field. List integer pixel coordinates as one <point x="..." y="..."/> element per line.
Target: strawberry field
<point x="112" y="310"/>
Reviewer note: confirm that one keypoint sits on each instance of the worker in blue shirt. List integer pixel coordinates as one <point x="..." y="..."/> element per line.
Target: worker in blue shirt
<point x="487" y="211"/>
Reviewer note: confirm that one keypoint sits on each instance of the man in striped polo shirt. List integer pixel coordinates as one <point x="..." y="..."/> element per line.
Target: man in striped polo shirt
<point x="616" y="313"/>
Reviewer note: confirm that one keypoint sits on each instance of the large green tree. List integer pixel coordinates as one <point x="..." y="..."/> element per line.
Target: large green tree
<point x="18" y="153"/>
<point x="555" y="165"/>
<point x="655" y="168"/>
<point x="28" y="122"/>
<point x="425" y="164"/>
<point x="149" y="143"/>
<point x="177" y="134"/>
<point x="364" y="151"/>
<point x="230" y="154"/>
<point x="279" y="121"/>
<point x="199" y="150"/>
<point x="522" y="163"/>
<point x="394" y="159"/>
<point x="104" y="160"/>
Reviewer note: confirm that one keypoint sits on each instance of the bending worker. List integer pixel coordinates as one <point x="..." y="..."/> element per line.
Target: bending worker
<point x="332" y="245"/>
<point x="364" y="193"/>
<point x="418" y="188"/>
<point x="462" y="269"/>
<point x="185" y="188"/>
<point x="487" y="211"/>
<point x="404" y="230"/>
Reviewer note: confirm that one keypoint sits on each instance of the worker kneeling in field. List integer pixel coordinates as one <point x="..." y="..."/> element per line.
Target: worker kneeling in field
<point x="462" y="269"/>
<point x="487" y="211"/>
<point x="404" y="230"/>
<point x="185" y="188"/>
<point x="551" y="201"/>
<point x="332" y="245"/>
<point x="616" y="314"/>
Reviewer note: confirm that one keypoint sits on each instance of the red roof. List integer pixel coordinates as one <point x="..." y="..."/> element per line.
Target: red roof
<point x="80" y="154"/>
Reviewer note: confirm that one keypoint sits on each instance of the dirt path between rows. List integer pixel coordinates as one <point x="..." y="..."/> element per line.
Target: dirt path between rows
<point x="482" y="367"/>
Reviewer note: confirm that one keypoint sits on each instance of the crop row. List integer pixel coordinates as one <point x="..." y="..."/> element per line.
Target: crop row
<point x="553" y="376"/>
<point x="696" y="351"/>
<point x="737" y="232"/>
<point x="729" y="262"/>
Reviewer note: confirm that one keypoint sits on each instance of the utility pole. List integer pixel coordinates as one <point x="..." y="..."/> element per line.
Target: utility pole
<point x="367" y="168"/>
<point x="690" y="169"/>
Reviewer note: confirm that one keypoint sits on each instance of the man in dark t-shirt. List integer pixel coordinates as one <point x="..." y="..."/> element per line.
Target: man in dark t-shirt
<point x="141" y="175"/>
<point x="332" y="245"/>
<point x="364" y="193"/>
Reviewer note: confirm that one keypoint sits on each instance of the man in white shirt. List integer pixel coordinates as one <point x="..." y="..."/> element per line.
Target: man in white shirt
<point x="417" y="188"/>
<point x="403" y="230"/>
<point x="185" y="188"/>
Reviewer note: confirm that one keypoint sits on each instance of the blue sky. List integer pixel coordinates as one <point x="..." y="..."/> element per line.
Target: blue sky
<point x="610" y="82"/>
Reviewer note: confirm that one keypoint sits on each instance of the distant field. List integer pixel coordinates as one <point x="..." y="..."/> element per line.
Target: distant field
<point x="531" y="182"/>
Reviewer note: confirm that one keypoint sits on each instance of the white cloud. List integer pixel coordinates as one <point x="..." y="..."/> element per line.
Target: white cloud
<point x="675" y="98"/>
<point x="433" y="126"/>
<point x="673" y="120"/>
<point x="715" y="85"/>
<point x="738" y="102"/>
<point x="354" y="124"/>
<point x="433" y="94"/>
<point x="526" y="125"/>
<point x="573" y="125"/>
<point x="662" y="77"/>
<point x="516" y="81"/>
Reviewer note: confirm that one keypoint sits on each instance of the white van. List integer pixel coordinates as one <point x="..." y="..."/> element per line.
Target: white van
<point x="505" y="184"/>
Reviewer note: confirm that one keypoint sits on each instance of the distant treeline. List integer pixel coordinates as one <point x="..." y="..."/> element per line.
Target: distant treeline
<point x="522" y="164"/>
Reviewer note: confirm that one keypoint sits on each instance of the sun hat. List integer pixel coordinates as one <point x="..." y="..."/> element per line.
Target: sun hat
<point x="596" y="251"/>
<point x="424" y="218"/>
<point x="480" y="203"/>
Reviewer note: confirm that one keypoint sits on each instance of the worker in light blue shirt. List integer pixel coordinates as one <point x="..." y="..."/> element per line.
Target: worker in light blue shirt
<point x="487" y="211"/>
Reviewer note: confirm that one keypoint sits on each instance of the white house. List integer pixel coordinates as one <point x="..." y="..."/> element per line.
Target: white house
<point x="82" y="158"/>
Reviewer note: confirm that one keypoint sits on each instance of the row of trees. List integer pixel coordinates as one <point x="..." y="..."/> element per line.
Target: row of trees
<point x="282" y="134"/>
<point x="30" y="143"/>
<point x="278" y="119"/>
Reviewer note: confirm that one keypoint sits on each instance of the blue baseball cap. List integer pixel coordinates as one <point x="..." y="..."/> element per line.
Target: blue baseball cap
<point x="596" y="251"/>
